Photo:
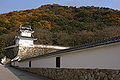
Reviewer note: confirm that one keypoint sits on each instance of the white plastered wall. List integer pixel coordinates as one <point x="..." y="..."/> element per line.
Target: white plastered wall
<point x="24" y="64"/>
<point x="103" y="57"/>
<point x="26" y="42"/>
<point x="13" y="63"/>
<point x="16" y="63"/>
<point x="48" y="62"/>
<point x="26" y="34"/>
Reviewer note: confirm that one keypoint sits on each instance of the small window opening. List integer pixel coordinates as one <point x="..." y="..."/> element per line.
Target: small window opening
<point x="30" y="64"/>
<point x="58" y="62"/>
<point x="14" y="63"/>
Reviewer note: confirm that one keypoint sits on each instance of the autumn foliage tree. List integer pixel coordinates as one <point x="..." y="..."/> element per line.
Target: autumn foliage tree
<point x="63" y="25"/>
<point x="2" y="47"/>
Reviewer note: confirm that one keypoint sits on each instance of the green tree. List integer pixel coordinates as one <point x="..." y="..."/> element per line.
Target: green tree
<point x="2" y="47"/>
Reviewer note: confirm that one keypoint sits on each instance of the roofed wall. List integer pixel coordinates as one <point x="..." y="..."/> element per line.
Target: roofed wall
<point x="23" y="52"/>
<point x="102" y="57"/>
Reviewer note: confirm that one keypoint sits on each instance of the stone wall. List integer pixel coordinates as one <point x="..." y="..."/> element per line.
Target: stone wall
<point x="27" y="52"/>
<point x="76" y="74"/>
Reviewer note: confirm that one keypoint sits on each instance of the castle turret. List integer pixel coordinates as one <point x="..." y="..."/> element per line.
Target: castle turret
<point x="25" y="37"/>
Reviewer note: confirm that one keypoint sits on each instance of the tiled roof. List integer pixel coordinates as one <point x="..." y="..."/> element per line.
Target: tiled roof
<point x="9" y="47"/>
<point x="88" y="45"/>
<point x="25" y="28"/>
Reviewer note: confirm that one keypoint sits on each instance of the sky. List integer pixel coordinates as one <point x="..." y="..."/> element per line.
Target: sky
<point x="17" y="5"/>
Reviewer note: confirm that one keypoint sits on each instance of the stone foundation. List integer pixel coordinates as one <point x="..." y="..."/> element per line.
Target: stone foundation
<point x="76" y="74"/>
<point x="27" y="52"/>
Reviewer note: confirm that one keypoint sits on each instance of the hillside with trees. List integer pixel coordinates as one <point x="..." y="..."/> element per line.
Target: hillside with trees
<point x="2" y="47"/>
<point x="62" y="25"/>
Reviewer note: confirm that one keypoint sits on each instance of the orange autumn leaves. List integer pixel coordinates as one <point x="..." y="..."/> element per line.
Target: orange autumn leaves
<point x="60" y="17"/>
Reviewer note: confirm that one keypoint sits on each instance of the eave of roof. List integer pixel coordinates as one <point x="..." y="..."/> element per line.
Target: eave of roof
<point x="9" y="47"/>
<point x="27" y="38"/>
<point x="89" y="45"/>
<point x="26" y="28"/>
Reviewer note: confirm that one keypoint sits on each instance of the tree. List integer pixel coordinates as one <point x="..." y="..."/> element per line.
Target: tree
<point x="2" y="47"/>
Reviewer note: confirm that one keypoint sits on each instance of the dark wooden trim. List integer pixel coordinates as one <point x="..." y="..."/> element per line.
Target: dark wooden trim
<point x="58" y="62"/>
<point x="30" y="64"/>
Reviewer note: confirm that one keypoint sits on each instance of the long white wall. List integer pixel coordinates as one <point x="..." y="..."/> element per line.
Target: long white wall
<point x="49" y="62"/>
<point x="20" y="64"/>
<point x="24" y="64"/>
<point x="102" y="57"/>
<point x="107" y="57"/>
<point x="13" y="63"/>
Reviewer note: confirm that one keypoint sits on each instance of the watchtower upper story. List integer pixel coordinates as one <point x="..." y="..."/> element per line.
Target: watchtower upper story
<point x="26" y="31"/>
<point x="25" y="37"/>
